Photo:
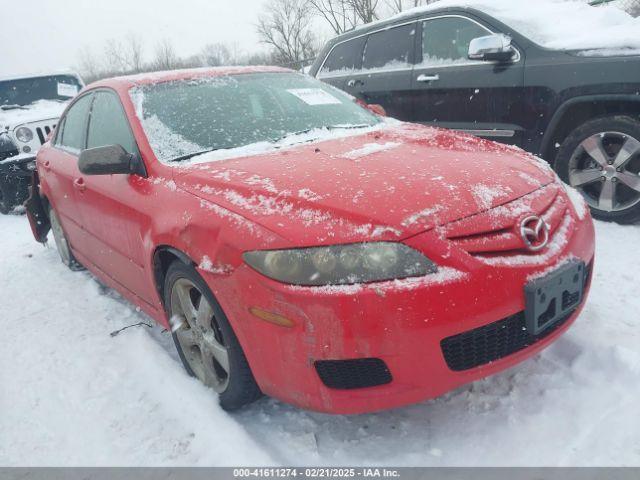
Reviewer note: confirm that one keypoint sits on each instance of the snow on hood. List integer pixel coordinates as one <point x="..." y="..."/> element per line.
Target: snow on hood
<point x="37" y="111"/>
<point x="383" y="185"/>
<point x="559" y="24"/>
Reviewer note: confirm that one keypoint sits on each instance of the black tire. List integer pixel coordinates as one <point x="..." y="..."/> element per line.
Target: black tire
<point x="6" y="195"/>
<point x="62" y="244"/>
<point x="573" y="159"/>
<point x="240" y="386"/>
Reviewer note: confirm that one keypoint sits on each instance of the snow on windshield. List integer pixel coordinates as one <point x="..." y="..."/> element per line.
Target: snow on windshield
<point x="559" y="24"/>
<point x="242" y="114"/>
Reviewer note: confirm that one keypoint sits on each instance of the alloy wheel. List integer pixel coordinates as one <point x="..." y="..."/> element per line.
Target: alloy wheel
<point x="606" y="169"/>
<point x="199" y="335"/>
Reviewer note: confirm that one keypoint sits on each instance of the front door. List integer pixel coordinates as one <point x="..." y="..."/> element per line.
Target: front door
<point x="112" y="206"/>
<point x="451" y="91"/>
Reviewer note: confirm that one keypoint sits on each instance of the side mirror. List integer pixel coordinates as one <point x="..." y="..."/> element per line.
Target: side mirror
<point x="109" y="160"/>
<point x="496" y="48"/>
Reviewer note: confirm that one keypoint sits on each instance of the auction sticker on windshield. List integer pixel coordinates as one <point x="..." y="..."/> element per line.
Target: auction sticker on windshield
<point x="66" y="90"/>
<point x="314" y="96"/>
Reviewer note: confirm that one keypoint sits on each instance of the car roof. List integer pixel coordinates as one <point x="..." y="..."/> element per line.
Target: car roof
<point x="128" y="81"/>
<point x="40" y="74"/>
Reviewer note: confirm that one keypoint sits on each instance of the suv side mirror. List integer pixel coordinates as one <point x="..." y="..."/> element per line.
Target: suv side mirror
<point x="110" y="160"/>
<point x="495" y="48"/>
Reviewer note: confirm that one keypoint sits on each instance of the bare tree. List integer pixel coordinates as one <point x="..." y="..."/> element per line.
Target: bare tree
<point x="215" y="55"/>
<point x="397" y="6"/>
<point x="135" y="56"/>
<point x="166" y="57"/>
<point x="365" y="10"/>
<point x="338" y="13"/>
<point x="286" y="29"/>
<point x="88" y="65"/>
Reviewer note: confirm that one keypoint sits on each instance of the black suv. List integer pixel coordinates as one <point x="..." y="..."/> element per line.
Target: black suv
<point x="463" y="69"/>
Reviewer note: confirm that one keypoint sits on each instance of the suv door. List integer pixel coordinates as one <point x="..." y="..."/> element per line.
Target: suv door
<point x="452" y="91"/>
<point x="112" y="206"/>
<point x="387" y="63"/>
<point x="59" y="166"/>
<point x="343" y="60"/>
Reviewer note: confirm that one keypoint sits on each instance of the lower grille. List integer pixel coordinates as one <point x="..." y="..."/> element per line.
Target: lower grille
<point x="492" y="342"/>
<point x="356" y="373"/>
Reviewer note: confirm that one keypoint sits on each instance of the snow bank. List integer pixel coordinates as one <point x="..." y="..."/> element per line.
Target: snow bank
<point x="560" y="24"/>
<point x="73" y="395"/>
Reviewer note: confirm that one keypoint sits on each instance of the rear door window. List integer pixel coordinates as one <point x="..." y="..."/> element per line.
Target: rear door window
<point x="74" y="126"/>
<point x="390" y="49"/>
<point x="108" y="124"/>
<point x="344" y="58"/>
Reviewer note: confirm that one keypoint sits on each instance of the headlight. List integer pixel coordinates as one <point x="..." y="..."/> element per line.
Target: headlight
<point x="341" y="264"/>
<point x="24" y="134"/>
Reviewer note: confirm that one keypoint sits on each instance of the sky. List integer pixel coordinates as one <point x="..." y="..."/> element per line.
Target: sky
<point x="49" y="34"/>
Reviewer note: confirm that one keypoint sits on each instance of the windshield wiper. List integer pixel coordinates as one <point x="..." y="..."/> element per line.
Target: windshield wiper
<point x="329" y="127"/>
<point x="191" y="155"/>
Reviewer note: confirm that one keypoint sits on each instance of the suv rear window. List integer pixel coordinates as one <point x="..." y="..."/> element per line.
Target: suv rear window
<point x="390" y="48"/>
<point x="345" y="57"/>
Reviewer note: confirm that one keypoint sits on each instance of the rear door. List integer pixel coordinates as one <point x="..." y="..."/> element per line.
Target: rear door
<point x="112" y="206"/>
<point x="342" y="62"/>
<point x="59" y="167"/>
<point x="387" y="63"/>
<point x="451" y="91"/>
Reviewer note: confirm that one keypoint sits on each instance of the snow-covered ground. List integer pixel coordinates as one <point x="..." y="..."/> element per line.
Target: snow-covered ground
<point x="70" y="394"/>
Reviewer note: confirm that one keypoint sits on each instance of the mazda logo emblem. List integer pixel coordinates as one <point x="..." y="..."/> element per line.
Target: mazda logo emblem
<point x="534" y="232"/>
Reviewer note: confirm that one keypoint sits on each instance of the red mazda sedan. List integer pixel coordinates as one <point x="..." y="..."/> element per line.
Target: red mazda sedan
<point x="297" y="244"/>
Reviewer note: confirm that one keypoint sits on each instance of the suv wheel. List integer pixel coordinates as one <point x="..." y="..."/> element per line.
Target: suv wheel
<point x="601" y="158"/>
<point x="6" y="205"/>
<point x="206" y="343"/>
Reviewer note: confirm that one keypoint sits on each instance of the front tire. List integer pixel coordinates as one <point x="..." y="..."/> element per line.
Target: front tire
<point x="601" y="158"/>
<point x="206" y="343"/>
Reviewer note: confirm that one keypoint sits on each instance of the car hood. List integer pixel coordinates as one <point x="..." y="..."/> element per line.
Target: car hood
<point x="35" y="112"/>
<point x="386" y="184"/>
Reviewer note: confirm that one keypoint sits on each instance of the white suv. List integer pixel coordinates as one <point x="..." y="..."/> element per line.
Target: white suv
<point x="30" y="107"/>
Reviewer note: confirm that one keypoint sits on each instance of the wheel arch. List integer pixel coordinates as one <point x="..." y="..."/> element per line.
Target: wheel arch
<point x="163" y="257"/>
<point x="576" y="111"/>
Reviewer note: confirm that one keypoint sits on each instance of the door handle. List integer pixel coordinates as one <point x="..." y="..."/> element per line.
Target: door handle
<point x="428" y="78"/>
<point x="79" y="184"/>
<point x="354" y="83"/>
<point x="46" y="165"/>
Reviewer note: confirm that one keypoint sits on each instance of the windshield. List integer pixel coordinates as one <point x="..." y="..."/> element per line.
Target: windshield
<point x="25" y="91"/>
<point x="189" y="117"/>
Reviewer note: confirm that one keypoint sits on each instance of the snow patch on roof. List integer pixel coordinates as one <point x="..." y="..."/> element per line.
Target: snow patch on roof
<point x="559" y="24"/>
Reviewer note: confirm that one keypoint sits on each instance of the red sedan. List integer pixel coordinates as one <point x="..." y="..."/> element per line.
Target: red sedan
<point x="299" y="245"/>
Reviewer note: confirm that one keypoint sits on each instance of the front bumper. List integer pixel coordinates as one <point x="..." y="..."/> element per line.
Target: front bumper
<point x="401" y="323"/>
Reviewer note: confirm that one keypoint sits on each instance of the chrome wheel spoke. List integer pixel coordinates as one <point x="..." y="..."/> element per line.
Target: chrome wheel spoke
<point x="631" y="180"/>
<point x="630" y="147"/>
<point x="578" y="178"/>
<point x="607" y="197"/>
<point x="220" y="353"/>
<point x="186" y="305"/>
<point x="187" y="337"/>
<point x="204" y="314"/>
<point x="593" y="147"/>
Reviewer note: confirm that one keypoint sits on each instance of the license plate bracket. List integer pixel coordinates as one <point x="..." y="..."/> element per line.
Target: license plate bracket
<point x="553" y="296"/>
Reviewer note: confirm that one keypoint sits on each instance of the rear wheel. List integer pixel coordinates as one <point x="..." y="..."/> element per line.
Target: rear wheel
<point x="601" y="158"/>
<point x="62" y="244"/>
<point x="206" y="343"/>
<point x="6" y="203"/>
<point x="4" y="206"/>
